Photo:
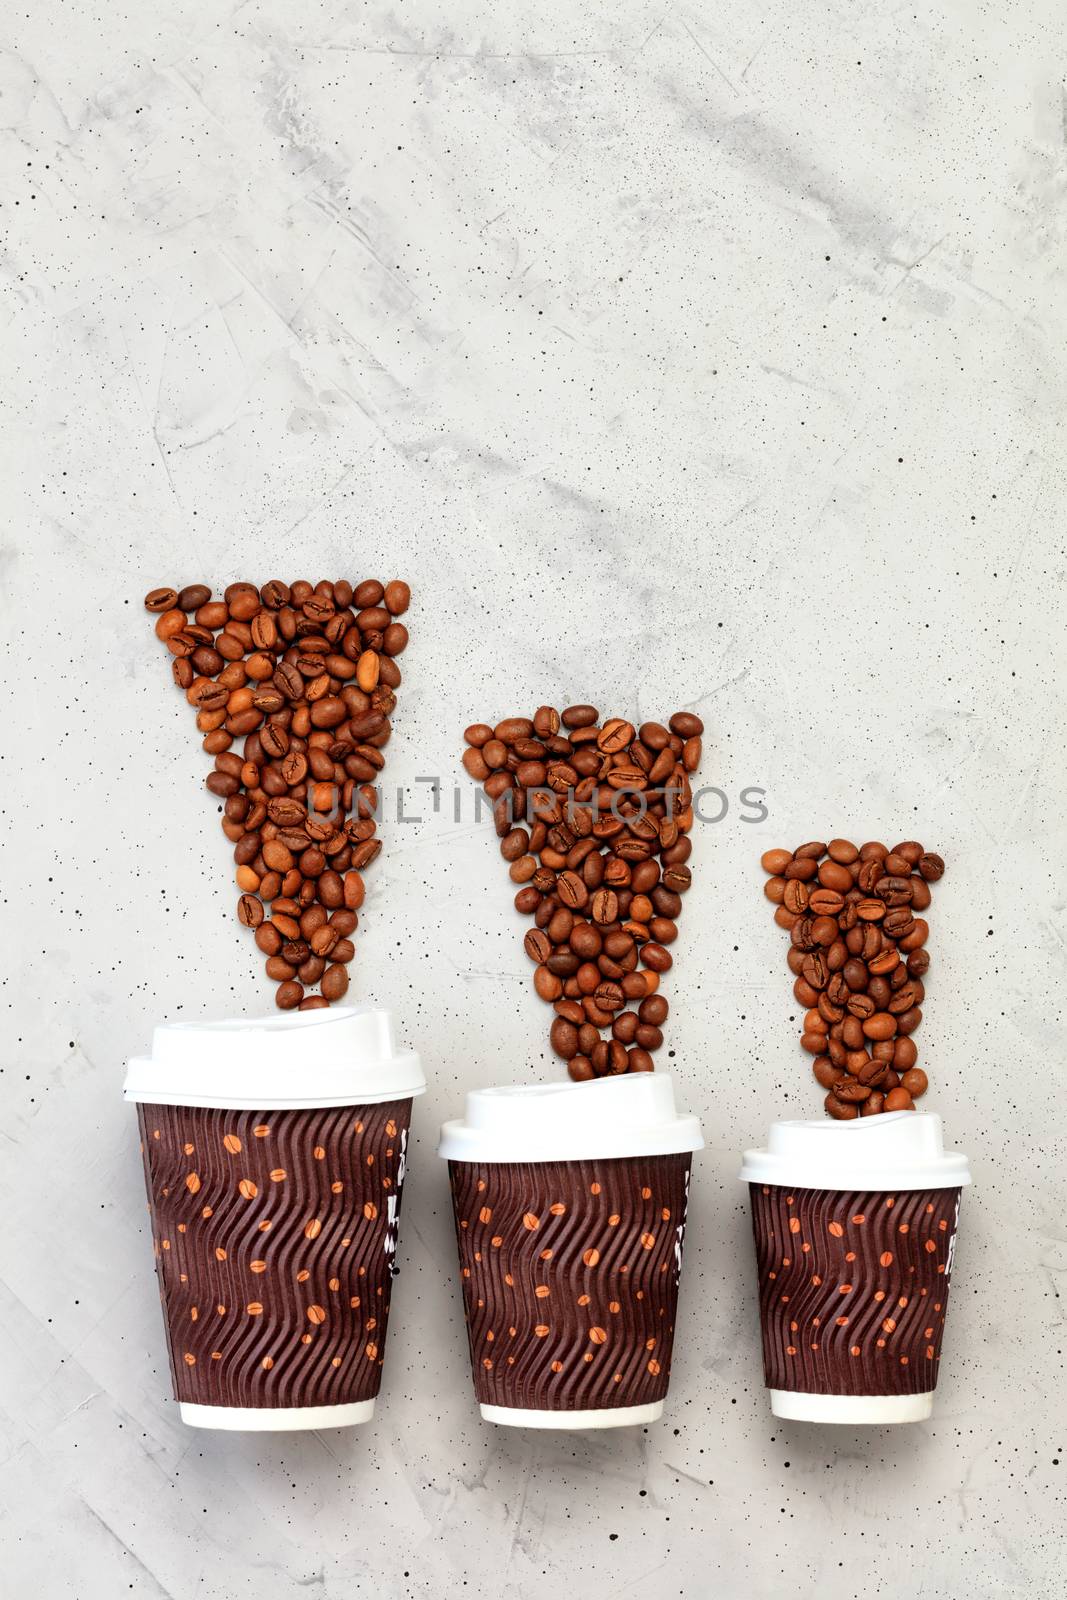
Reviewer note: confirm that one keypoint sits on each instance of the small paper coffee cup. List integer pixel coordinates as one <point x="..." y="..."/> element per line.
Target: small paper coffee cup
<point x="855" y="1228"/>
<point x="570" y="1207"/>
<point x="274" y="1155"/>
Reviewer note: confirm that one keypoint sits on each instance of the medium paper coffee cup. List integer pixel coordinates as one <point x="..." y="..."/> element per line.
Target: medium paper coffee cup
<point x="570" y="1206"/>
<point x="855" y="1228"/>
<point x="274" y="1155"/>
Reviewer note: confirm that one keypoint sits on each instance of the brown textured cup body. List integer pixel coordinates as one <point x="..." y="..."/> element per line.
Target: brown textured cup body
<point x="570" y="1278"/>
<point x="853" y="1287"/>
<point x="274" y="1235"/>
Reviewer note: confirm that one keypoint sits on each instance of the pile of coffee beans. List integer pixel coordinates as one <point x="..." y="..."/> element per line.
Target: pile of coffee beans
<point x="303" y="676"/>
<point x="858" y="956"/>
<point x="593" y="819"/>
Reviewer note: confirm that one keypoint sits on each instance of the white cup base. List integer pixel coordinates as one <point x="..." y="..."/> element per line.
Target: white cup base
<point x="602" y="1417"/>
<point x="284" y="1419"/>
<point x="852" y="1409"/>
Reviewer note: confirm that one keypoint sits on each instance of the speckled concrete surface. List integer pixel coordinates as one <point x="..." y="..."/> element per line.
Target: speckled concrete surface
<point x="675" y="357"/>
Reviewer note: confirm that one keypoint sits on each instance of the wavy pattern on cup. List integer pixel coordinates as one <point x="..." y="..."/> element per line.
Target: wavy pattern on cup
<point x="274" y="1235"/>
<point x="853" y="1287"/>
<point x="570" y="1278"/>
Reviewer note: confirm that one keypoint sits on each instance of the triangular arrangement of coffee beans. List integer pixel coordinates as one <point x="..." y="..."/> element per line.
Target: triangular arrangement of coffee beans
<point x="293" y="687"/>
<point x="594" y="818"/>
<point x="858" y="955"/>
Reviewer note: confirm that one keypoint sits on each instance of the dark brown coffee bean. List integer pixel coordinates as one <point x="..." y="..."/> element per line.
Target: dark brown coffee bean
<point x="686" y="725"/>
<point x="538" y="945"/>
<point x="931" y="867"/>
<point x="193" y="596"/>
<point x="288" y="996"/>
<point x="840" y="1110"/>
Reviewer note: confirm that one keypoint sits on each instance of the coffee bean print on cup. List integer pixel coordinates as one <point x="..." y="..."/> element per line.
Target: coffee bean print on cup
<point x="570" y="1275"/>
<point x="594" y="818"/>
<point x="857" y="929"/>
<point x="275" y="1268"/>
<point x="293" y="686"/>
<point x="853" y="1287"/>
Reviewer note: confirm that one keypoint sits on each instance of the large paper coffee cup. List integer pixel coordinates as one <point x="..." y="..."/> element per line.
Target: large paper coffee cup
<point x="274" y="1155"/>
<point x="570" y="1206"/>
<point x="855" y="1227"/>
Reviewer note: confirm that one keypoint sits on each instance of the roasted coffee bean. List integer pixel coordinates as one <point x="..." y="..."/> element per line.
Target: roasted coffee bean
<point x="931" y="867"/>
<point x="775" y="861"/>
<point x="290" y="654"/>
<point x="835" y="877"/>
<point x="795" y="895"/>
<point x="899" y="1100"/>
<point x="564" y="1038"/>
<point x="802" y="867"/>
<point x="840" y="1110"/>
<point x="872" y="1073"/>
<point x="604" y="849"/>
<point x="814" y="970"/>
<point x="288" y="995"/>
<point x="604" y="905"/>
<point x="826" y="1073"/>
<point x="334" y="983"/>
<point x="250" y="911"/>
<point x="851" y="1091"/>
<point x="538" y="946"/>
<point x="825" y="902"/>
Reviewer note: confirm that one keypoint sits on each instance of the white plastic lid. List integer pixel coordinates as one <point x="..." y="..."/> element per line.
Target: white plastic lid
<point x="345" y="1056"/>
<point x="630" y="1115"/>
<point x="895" y="1150"/>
